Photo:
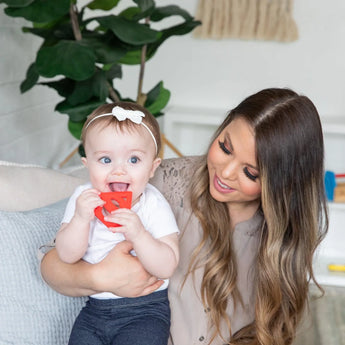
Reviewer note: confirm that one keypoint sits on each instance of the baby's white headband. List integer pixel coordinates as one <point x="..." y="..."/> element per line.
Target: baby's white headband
<point x="135" y="116"/>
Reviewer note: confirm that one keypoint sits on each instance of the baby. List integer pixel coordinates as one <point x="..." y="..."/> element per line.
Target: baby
<point x="121" y="143"/>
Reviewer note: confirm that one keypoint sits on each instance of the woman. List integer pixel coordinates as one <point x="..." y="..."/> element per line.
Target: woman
<point x="252" y="212"/>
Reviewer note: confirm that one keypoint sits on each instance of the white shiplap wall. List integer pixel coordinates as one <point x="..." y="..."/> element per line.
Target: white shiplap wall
<point x="204" y="76"/>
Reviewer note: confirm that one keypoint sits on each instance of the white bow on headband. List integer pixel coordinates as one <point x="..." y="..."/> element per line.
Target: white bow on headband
<point x="123" y="114"/>
<point x="135" y="116"/>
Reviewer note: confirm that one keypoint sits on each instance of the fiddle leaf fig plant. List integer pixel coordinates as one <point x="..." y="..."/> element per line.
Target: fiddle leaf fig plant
<point x="82" y="53"/>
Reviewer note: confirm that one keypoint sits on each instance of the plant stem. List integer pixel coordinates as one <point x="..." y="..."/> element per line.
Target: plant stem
<point x="73" y="12"/>
<point x="112" y="94"/>
<point x="141" y="97"/>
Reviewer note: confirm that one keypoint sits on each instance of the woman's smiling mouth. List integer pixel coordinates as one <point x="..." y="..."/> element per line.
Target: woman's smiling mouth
<point x="220" y="186"/>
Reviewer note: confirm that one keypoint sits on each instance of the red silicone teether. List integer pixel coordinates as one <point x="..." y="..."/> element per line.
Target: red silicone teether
<point x="113" y="201"/>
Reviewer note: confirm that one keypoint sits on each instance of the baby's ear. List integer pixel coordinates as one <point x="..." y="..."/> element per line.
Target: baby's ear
<point x="84" y="161"/>
<point x="155" y="165"/>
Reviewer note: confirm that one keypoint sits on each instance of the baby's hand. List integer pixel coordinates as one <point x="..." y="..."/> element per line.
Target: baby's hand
<point x="131" y="225"/>
<point x="86" y="203"/>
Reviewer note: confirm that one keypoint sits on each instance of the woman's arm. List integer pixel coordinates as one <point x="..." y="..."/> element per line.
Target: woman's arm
<point x="119" y="273"/>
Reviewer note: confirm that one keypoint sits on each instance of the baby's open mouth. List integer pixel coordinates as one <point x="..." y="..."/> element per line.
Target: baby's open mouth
<point x="118" y="186"/>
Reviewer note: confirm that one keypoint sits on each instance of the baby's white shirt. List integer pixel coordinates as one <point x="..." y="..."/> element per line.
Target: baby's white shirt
<point x="154" y="212"/>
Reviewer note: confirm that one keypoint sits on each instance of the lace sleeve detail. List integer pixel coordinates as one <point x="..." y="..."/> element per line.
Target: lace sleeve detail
<point x="173" y="178"/>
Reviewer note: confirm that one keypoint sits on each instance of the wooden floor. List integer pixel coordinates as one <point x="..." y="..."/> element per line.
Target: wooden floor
<point x="326" y="322"/>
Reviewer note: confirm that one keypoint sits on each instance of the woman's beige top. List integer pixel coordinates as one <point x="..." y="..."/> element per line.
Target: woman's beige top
<point x="189" y="319"/>
<point x="189" y="324"/>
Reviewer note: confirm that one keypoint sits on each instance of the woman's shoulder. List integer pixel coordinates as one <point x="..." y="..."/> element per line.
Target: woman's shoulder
<point x="173" y="176"/>
<point x="180" y="166"/>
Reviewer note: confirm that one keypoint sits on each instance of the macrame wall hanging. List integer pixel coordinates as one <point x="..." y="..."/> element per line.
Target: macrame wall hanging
<point x="246" y="19"/>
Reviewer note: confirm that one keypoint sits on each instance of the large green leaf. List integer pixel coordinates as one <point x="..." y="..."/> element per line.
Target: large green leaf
<point x="63" y="31"/>
<point x="75" y="128"/>
<point x="132" y="57"/>
<point x="95" y="87"/>
<point x="129" y="31"/>
<point x="107" y="50"/>
<point x="68" y="58"/>
<point x="40" y="11"/>
<point x="180" y="29"/>
<point x="105" y="5"/>
<point x="81" y="93"/>
<point x="114" y="71"/>
<point x="157" y="99"/>
<point x="64" y="87"/>
<point x="31" y="78"/>
<point x="167" y="11"/>
<point x="52" y="32"/>
<point x="17" y="3"/>
<point x="132" y="13"/>
<point x="136" y="13"/>
<point x="100" y="86"/>
<point x="41" y="32"/>
<point x="176" y="30"/>
<point x="79" y="112"/>
<point x="145" y="5"/>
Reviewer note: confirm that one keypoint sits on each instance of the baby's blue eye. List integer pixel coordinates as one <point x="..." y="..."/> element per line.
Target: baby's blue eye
<point x="134" y="160"/>
<point x="105" y="160"/>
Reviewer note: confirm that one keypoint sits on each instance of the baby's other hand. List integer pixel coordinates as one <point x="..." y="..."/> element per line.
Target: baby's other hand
<point x="130" y="224"/>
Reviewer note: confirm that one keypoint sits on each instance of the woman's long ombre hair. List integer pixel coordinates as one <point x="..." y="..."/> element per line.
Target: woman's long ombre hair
<point x="290" y="154"/>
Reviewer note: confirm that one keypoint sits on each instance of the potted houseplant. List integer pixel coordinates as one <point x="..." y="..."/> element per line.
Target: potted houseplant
<point x="82" y="52"/>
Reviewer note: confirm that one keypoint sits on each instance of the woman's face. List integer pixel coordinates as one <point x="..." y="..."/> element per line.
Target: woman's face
<point x="233" y="171"/>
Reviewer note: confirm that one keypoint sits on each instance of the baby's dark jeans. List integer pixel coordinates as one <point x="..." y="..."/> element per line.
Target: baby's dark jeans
<point x="123" y="321"/>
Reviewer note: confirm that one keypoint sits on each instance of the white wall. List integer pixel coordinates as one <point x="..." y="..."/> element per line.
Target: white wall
<point x="207" y="76"/>
<point x="220" y="73"/>
<point x="30" y="130"/>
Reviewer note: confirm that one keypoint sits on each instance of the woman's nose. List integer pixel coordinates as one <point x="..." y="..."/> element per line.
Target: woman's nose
<point x="229" y="171"/>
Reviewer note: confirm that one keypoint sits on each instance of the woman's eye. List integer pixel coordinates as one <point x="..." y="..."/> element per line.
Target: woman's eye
<point x="134" y="160"/>
<point x="105" y="160"/>
<point x="223" y="147"/>
<point x="250" y="175"/>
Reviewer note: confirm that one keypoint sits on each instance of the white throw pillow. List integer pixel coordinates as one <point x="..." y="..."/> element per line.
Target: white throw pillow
<point x="26" y="187"/>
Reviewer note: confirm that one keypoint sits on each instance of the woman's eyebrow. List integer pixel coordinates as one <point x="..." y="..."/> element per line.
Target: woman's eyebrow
<point x="253" y="166"/>
<point x="228" y="140"/>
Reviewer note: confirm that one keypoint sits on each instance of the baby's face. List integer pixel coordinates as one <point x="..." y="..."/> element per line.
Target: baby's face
<point x="120" y="160"/>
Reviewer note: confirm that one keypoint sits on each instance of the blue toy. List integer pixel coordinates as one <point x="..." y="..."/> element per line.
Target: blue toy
<point x="331" y="183"/>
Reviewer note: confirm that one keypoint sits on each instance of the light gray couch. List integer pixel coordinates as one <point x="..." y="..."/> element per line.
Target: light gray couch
<point x="32" y="203"/>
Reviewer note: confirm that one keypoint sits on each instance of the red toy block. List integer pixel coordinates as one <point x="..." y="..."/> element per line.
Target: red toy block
<point x="113" y="201"/>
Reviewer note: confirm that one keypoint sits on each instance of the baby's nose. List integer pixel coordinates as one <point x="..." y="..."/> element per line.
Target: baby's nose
<point x="119" y="169"/>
